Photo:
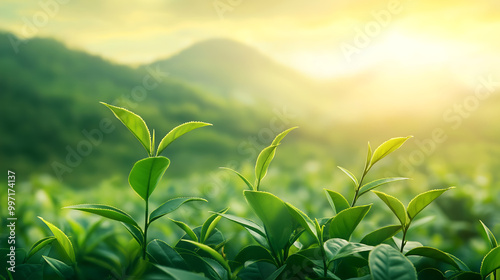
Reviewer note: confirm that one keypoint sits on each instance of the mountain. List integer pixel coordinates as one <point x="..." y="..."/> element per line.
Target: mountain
<point x="237" y="71"/>
<point x="50" y="98"/>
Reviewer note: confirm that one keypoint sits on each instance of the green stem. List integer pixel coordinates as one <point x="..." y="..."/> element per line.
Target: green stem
<point x="146" y="224"/>
<point x="323" y="253"/>
<point x="358" y="188"/>
<point x="403" y="242"/>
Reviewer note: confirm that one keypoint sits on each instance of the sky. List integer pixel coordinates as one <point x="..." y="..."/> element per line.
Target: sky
<point x="322" y="39"/>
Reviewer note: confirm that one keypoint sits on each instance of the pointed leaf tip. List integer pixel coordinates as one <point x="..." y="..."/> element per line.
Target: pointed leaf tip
<point x="177" y="132"/>
<point x="386" y="148"/>
<point x="134" y="123"/>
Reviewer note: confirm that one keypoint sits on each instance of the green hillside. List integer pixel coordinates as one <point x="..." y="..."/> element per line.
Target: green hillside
<point x="49" y="103"/>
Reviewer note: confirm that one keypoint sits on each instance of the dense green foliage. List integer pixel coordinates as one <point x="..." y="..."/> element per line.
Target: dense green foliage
<point x="290" y="244"/>
<point x="49" y="97"/>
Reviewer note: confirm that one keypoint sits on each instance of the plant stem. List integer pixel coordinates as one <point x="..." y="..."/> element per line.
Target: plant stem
<point x="403" y="242"/>
<point x="358" y="188"/>
<point x="323" y="253"/>
<point x="146" y="223"/>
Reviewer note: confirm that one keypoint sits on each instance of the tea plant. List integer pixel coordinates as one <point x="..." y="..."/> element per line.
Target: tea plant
<point x="289" y="243"/>
<point x="144" y="176"/>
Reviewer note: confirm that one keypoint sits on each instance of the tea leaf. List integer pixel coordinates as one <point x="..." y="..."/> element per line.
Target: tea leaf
<point x="135" y="124"/>
<point x="433" y="253"/>
<point x="337" y="248"/>
<point x="248" y="224"/>
<point x="163" y="254"/>
<point x="263" y="160"/>
<point x="214" y="254"/>
<point x="380" y="235"/>
<point x="39" y="245"/>
<point x="303" y="220"/>
<point x="177" y="132"/>
<point x="421" y="201"/>
<point x="346" y="221"/>
<point x="136" y="233"/>
<point x="210" y="224"/>
<point x="146" y="174"/>
<point x="170" y="206"/>
<point x="279" y="137"/>
<point x="186" y="229"/>
<point x="395" y="205"/>
<point x="490" y="238"/>
<point x="377" y="183"/>
<point x="336" y="200"/>
<point x="106" y="211"/>
<point x="178" y="274"/>
<point x="431" y="273"/>
<point x="386" y="148"/>
<point x="250" y="187"/>
<point x="350" y="175"/>
<point x="387" y="263"/>
<point x="62" y="239"/>
<point x="368" y="158"/>
<point x="257" y="270"/>
<point x="253" y="253"/>
<point x="63" y="270"/>
<point x="273" y="213"/>
<point x="491" y="262"/>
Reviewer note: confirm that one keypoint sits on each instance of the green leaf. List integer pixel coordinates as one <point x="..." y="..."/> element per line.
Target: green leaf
<point x="368" y="158"/>
<point x="297" y="267"/>
<point x="177" y="132"/>
<point x="39" y="245"/>
<point x="263" y="160"/>
<point x="146" y="174"/>
<point x="430" y="274"/>
<point x="343" y="225"/>
<point x="433" y="253"/>
<point x="462" y="266"/>
<point x="63" y="270"/>
<point x="106" y="211"/>
<point x="387" y="263"/>
<point x="491" y="262"/>
<point x="253" y="253"/>
<point x="259" y="270"/>
<point x="273" y="213"/>
<point x="462" y="275"/>
<point x="214" y="254"/>
<point x="386" y="148"/>
<point x="337" y="248"/>
<point x="186" y="229"/>
<point x="490" y="238"/>
<point x="178" y="274"/>
<point x="350" y="175"/>
<point x="377" y="183"/>
<point x="303" y="220"/>
<point x="136" y="232"/>
<point x="162" y="254"/>
<point x="421" y="201"/>
<point x="62" y="239"/>
<point x="170" y="206"/>
<point x="135" y="124"/>
<point x="250" y="187"/>
<point x="380" y="235"/>
<point x="248" y="224"/>
<point x="210" y="224"/>
<point x="279" y="137"/>
<point x="394" y="204"/>
<point x="337" y="201"/>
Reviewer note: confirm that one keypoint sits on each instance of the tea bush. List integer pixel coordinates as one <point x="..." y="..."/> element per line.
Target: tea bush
<point x="289" y="244"/>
